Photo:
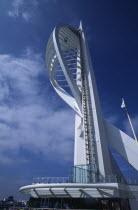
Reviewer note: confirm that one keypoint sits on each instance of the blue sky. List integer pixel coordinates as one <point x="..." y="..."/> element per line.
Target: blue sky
<point x="36" y="126"/>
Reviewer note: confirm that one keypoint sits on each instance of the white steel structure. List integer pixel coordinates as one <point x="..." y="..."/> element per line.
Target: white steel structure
<point x="70" y="70"/>
<point x="71" y="74"/>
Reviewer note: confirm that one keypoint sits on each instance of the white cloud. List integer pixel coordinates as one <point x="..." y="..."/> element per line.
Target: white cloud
<point x="113" y="119"/>
<point x="26" y="16"/>
<point x="16" y="5"/>
<point x="28" y="118"/>
<point x="22" y="8"/>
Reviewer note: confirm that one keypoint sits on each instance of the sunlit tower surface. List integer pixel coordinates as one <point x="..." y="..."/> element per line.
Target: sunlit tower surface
<point x="95" y="173"/>
<point x="70" y="70"/>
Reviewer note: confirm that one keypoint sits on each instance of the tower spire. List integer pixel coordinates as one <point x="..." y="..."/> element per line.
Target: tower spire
<point x="80" y="26"/>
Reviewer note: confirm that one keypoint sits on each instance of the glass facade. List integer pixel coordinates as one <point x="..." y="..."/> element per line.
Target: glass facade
<point x="89" y="174"/>
<point x="83" y="174"/>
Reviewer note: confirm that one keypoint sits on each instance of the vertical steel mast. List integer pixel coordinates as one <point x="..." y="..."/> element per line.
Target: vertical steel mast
<point x="71" y="74"/>
<point x="95" y="137"/>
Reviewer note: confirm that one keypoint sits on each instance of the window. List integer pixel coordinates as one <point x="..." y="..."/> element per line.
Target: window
<point x="66" y="39"/>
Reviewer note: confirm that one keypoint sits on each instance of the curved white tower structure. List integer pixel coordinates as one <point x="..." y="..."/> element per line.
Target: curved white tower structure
<point x="70" y="71"/>
<point x="71" y="74"/>
<point x="95" y="173"/>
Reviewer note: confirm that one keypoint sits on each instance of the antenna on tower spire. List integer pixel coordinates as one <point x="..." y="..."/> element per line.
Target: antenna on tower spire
<point x="80" y="26"/>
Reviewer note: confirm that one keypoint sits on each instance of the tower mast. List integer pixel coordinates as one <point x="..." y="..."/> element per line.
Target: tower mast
<point x="98" y="149"/>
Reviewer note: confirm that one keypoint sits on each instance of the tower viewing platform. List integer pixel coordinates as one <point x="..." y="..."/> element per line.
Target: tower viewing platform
<point x="110" y="186"/>
<point x="67" y="192"/>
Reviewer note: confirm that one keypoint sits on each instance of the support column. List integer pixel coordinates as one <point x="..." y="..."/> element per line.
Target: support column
<point x="79" y="147"/>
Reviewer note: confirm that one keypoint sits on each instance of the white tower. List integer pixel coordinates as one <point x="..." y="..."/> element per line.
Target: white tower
<point x="71" y="74"/>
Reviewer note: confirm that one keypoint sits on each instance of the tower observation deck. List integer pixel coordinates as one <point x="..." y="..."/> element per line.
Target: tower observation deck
<point x="95" y="173"/>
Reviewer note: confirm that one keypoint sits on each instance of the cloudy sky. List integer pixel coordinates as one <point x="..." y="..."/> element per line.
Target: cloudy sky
<point x="36" y="127"/>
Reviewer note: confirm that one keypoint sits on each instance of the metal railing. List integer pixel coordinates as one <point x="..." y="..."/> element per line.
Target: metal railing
<point x="79" y="174"/>
<point x="48" y="180"/>
<point x="98" y="179"/>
